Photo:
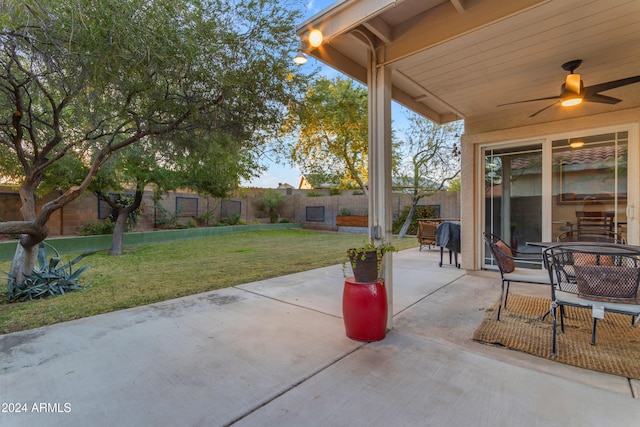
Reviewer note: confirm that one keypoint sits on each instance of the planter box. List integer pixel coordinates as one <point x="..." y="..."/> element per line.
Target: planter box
<point x="352" y="221"/>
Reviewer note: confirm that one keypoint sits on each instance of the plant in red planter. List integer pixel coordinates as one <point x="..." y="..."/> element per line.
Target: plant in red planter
<point x="364" y="297"/>
<point x="366" y="260"/>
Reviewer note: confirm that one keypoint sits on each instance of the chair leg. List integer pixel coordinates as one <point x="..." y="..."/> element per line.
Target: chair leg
<point x="506" y="295"/>
<point x="501" y="296"/>
<point x="593" y="331"/>
<point x="562" y="318"/>
<point x="553" y="310"/>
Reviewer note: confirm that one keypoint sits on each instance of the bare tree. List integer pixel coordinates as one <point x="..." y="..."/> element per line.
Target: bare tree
<point x="429" y="161"/>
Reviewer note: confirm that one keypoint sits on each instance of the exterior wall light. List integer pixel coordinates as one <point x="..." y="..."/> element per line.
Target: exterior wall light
<point x="300" y="57"/>
<point x="315" y="38"/>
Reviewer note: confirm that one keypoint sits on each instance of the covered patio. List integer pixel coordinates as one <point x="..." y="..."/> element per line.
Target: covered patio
<point x="478" y="60"/>
<point x="274" y="352"/>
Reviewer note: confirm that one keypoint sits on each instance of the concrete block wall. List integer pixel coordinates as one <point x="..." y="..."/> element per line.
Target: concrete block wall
<point x="297" y="203"/>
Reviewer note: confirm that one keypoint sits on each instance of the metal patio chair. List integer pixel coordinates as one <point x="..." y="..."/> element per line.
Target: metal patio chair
<point x="602" y="277"/>
<point x="601" y="235"/>
<point x="507" y="258"/>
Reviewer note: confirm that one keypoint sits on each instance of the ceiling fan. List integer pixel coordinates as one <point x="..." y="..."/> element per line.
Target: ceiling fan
<point x="573" y="92"/>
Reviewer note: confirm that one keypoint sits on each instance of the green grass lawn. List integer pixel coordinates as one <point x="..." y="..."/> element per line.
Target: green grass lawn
<point x="147" y="274"/>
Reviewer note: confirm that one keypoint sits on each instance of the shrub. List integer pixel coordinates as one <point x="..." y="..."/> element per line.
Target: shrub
<point x="92" y="228"/>
<point x="420" y="212"/>
<point x="165" y="219"/>
<point x="232" y="219"/>
<point x="269" y="204"/>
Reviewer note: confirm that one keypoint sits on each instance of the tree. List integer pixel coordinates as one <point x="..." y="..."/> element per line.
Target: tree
<point x="332" y="136"/>
<point x="131" y="168"/>
<point x="79" y="82"/>
<point x="270" y="204"/>
<point x="210" y="165"/>
<point x="431" y="161"/>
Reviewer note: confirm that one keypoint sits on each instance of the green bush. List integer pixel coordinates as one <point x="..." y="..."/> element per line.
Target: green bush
<point x="269" y="204"/>
<point x="93" y="228"/>
<point x="166" y="219"/>
<point x="232" y="219"/>
<point x="420" y="212"/>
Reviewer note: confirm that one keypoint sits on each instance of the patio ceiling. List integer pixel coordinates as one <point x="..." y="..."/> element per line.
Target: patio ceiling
<point x="456" y="59"/>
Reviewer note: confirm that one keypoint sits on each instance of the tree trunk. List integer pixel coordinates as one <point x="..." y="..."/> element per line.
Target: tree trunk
<point x="117" y="237"/>
<point x="121" y="221"/>
<point x="407" y="221"/>
<point x="26" y="254"/>
<point x="24" y="260"/>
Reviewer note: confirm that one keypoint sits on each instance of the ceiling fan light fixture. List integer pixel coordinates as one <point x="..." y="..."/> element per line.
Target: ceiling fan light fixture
<point x="572" y="91"/>
<point x="571" y="101"/>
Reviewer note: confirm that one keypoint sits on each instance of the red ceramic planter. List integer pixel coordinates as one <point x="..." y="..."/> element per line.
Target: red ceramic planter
<point x="364" y="309"/>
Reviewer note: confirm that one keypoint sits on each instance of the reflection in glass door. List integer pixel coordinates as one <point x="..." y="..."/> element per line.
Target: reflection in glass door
<point x="513" y="195"/>
<point x="590" y="186"/>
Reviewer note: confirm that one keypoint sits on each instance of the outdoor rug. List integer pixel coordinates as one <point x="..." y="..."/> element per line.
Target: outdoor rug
<point x="617" y="349"/>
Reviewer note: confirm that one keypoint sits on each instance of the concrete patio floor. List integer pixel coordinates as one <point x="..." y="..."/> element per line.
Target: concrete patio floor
<point x="274" y="353"/>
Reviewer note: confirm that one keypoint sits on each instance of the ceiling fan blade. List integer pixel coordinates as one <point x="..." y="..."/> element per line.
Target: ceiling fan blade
<point x="610" y="85"/>
<point x="602" y="99"/>
<point x="545" y="108"/>
<point x="530" y="100"/>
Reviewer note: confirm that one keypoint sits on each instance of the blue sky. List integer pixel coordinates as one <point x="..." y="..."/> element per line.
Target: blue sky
<point x="279" y="173"/>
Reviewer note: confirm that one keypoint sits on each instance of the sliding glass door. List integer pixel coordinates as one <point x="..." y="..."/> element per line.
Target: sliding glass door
<point x="547" y="189"/>
<point x="589" y="181"/>
<point x="513" y="195"/>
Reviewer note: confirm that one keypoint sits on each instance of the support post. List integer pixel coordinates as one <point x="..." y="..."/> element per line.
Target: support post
<point x="380" y="220"/>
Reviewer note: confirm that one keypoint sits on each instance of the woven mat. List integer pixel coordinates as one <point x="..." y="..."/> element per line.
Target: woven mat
<point x="617" y="349"/>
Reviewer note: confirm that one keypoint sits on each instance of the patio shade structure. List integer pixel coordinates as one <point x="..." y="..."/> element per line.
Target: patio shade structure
<point x="465" y="59"/>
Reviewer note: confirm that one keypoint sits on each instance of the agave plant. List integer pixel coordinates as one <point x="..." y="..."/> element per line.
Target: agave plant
<point x="48" y="278"/>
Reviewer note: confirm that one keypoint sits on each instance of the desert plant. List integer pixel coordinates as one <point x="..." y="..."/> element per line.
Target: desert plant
<point x="48" y="278"/>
